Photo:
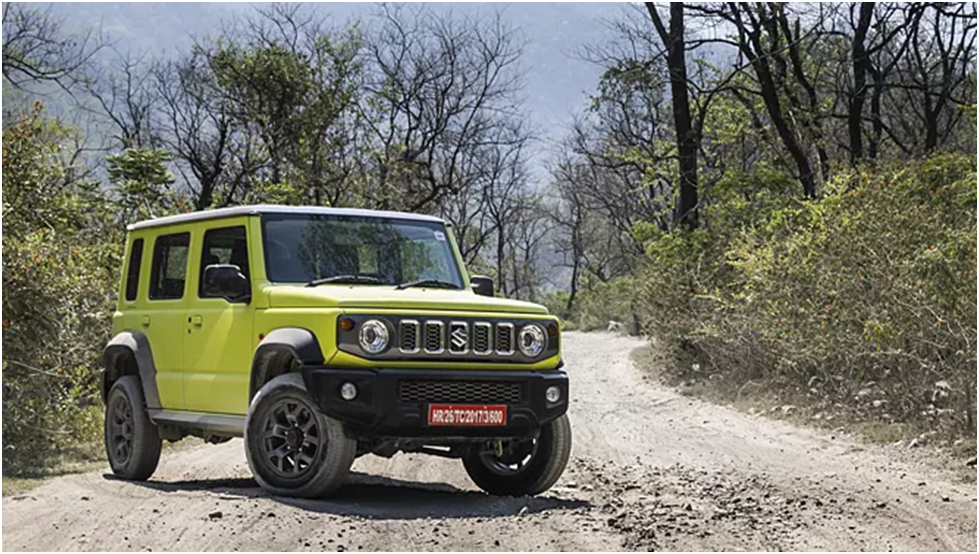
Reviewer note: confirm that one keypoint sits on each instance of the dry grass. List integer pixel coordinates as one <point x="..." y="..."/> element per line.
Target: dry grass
<point x="769" y="400"/>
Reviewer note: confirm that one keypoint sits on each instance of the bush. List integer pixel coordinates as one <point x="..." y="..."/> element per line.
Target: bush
<point x="60" y="272"/>
<point x="864" y="298"/>
<point x="596" y="304"/>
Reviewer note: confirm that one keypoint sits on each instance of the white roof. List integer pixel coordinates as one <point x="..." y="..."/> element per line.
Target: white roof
<point x="273" y="209"/>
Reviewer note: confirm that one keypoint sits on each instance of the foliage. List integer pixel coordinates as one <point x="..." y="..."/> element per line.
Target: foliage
<point x="865" y="297"/>
<point x="60" y="269"/>
<point x="142" y="184"/>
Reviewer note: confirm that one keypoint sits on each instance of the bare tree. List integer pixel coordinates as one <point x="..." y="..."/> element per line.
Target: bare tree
<point x="36" y="49"/>
<point x="439" y="89"/>
<point x="686" y="136"/>
<point x="124" y="95"/>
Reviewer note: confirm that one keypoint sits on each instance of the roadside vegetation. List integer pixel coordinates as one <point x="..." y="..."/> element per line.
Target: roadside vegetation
<point x="785" y="205"/>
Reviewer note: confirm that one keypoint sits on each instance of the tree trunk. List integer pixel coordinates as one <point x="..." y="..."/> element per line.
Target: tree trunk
<point x="861" y="65"/>
<point x="785" y="132"/>
<point x="686" y="138"/>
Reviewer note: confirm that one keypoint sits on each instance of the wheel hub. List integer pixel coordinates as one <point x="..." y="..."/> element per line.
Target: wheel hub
<point x="294" y="437"/>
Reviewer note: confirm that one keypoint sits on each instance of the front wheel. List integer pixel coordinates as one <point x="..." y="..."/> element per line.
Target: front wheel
<point x="524" y="467"/>
<point x="292" y="448"/>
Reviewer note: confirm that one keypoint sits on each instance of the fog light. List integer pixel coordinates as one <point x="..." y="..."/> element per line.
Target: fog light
<point x="348" y="391"/>
<point x="553" y="394"/>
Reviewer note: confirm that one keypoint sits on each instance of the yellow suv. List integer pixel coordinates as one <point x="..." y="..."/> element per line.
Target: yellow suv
<point x="322" y="334"/>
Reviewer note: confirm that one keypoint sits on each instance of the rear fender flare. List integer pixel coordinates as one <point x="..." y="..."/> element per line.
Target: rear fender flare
<point x="135" y="345"/>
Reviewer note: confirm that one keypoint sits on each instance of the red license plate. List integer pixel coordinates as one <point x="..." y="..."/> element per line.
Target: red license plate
<point x="466" y="415"/>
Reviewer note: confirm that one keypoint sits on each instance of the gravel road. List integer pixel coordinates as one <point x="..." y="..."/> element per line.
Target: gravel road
<point x="650" y="469"/>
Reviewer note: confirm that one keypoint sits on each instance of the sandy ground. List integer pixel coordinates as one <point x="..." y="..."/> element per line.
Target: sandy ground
<point x="650" y="469"/>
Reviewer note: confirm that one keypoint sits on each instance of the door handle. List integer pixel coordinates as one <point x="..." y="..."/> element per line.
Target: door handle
<point x="145" y="321"/>
<point x="198" y="320"/>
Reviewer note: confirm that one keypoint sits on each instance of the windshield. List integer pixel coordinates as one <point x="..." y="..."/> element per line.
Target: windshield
<point x="302" y="248"/>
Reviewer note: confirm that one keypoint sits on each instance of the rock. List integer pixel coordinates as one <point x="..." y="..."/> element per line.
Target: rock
<point x="523" y="511"/>
<point x="915" y="443"/>
<point x="587" y="488"/>
<point x="971" y="462"/>
<point x="614" y="326"/>
<point x="946" y="499"/>
<point x="215" y="515"/>
<point x="496" y="542"/>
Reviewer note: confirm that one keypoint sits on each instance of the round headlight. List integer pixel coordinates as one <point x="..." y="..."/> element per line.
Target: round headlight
<point x="374" y="336"/>
<point x="532" y="340"/>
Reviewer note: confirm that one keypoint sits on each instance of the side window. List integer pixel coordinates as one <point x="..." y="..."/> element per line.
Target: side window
<point x="222" y="246"/>
<point x="132" y="272"/>
<point x="169" y="266"/>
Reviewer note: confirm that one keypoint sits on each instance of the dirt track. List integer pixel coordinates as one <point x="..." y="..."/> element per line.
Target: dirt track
<point x="650" y="469"/>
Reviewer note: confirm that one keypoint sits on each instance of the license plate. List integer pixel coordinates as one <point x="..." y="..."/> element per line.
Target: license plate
<point x="466" y="415"/>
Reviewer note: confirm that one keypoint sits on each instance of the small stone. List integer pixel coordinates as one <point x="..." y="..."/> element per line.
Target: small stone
<point x="496" y="543"/>
<point x="523" y="511"/>
<point x="215" y="515"/>
<point x="971" y="462"/>
<point x="270" y="514"/>
<point x="86" y="498"/>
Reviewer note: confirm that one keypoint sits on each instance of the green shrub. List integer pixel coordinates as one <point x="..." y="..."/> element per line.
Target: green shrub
<point x="865" y="297"/>
<point x="60" y="272"/>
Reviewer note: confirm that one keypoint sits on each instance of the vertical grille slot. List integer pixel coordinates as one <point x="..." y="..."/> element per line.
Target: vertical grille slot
<point x="482" y="344"/>
<point x="408" y="336"/>
<point x="504" y="339"/>
<point x="458" y="337"/>
<point x="434" y="336"/>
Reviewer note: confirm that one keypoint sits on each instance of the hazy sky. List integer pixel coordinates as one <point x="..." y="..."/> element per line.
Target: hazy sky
<point x="558" y="84"/>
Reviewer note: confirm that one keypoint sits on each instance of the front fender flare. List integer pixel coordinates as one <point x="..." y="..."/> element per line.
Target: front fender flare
<point x="299" y="343"/>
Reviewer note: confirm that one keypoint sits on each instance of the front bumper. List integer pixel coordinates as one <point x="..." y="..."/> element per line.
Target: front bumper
<point x="383" y="408"/>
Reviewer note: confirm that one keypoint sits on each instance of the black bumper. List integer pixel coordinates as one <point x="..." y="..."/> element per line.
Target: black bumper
<point x="392" y="403"/>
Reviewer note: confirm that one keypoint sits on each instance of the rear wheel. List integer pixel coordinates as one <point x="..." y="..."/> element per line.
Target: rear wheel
<point x="293" y="449"/>
<point x="132" y="442"/>
<point x="524" y="467"/>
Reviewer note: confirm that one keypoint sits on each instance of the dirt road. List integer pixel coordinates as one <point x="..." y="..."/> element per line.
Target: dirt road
<point x="650" y="469"/>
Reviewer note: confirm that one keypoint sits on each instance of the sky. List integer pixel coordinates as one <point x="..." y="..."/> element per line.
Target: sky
<point x="558" y="81"/>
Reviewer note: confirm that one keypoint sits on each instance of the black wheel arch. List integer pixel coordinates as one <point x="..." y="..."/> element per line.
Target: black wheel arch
<point x="129" y="353"/>
<point x="281" y="346"/>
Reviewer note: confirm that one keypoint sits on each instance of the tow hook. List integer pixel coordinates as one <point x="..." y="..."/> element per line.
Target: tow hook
<point x="499" y="449"/>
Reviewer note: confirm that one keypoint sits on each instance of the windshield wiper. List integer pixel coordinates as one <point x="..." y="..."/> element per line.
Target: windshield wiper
<point x="343" y="279"/>
<point x="433" y="283"/>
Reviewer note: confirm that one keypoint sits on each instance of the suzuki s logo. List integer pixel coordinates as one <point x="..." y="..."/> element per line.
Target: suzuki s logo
<point x="459" y="338"/>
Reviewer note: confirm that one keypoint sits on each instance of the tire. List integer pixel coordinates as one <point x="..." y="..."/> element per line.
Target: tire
<point x="132" y="441"/>
<point x="292" y="448"/>
<point x="548" y="456"/>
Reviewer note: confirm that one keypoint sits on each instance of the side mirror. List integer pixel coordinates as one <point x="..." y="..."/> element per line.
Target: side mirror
<point x="226" y="280"/>
<point x="482" y="285"/>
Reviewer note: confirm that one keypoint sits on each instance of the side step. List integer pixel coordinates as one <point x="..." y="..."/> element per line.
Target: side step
<point x="207" y="424"/>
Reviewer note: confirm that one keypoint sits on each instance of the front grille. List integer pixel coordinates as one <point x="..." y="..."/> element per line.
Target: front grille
<point x="408" y="336"/>
<point x="434" y="337"/>
<point x="504" y="338"/>
<point x="460" y="392"/>
<point x="482" y="338"/>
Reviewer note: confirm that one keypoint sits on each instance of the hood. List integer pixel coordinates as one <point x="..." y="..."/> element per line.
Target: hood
<point x="382" y="297"/>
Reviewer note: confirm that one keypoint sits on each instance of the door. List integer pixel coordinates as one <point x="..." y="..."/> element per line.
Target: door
<point x="163" y="319"/>
<point x="218" y="345"/>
